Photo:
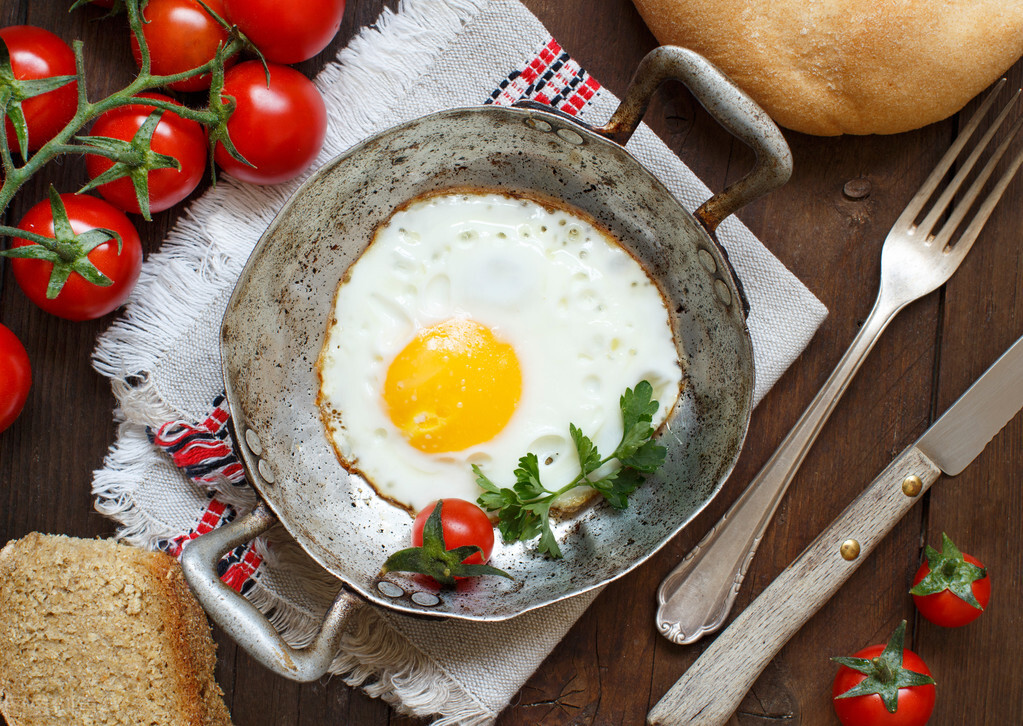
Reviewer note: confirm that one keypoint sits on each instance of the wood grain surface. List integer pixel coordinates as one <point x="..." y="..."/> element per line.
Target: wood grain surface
<point x="613" y="666"/>
<point x="710" y="690"/>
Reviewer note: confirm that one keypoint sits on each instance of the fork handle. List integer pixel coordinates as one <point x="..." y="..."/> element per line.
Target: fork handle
<point x="695" y="598"/>
<point x="712" y="688"/>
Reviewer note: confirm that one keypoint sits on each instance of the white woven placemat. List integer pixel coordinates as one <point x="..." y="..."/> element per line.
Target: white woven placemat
<point x="162" y="356"/>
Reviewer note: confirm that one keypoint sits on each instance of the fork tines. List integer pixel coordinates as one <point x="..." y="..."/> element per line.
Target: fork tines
<point x="941" y="234"/>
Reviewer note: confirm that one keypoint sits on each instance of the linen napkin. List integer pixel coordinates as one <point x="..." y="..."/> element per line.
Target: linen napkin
<point x="171" y="474"/>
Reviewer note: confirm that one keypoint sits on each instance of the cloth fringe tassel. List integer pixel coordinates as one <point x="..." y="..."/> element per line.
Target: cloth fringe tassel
<point x="383" y="664"/>
<point x="114" y="485"/>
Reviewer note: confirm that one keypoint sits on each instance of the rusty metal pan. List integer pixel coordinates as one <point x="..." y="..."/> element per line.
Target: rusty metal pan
<point x="277" y="317"/>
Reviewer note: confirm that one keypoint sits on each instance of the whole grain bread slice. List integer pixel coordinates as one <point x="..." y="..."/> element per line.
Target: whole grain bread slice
<point x="95" y="632"/>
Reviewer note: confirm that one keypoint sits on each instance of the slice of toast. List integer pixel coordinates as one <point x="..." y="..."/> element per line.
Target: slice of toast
<point x="95" y="632"/>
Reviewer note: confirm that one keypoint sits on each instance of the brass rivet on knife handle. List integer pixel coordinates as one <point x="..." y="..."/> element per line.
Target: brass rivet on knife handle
<point x="912" y="485"/>
<point x="850" y="549"/>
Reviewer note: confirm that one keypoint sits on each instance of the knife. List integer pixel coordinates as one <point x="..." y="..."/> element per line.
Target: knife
<point x="711" y="689"/>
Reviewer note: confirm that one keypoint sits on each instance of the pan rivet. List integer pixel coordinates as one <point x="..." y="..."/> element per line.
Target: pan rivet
<point x="707" y="260"/>
<point x="252" y="440"/>
<point x="426" y="599"/>
<point x="570" y="136"/>
<point x="911" y="485"/>
<point x="723" y="293"/>
<point x="265" y="472"/>
<point x="850" y="549"/>
<point x="538" y="124"/>
<point x="390" y="589"/>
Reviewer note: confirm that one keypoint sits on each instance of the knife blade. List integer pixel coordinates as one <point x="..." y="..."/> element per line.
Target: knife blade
<point x="711" y="689"/>
<point x="962" y="432"/>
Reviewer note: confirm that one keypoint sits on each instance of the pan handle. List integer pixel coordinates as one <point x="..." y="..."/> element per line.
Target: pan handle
<point x="729" y="106"/>
<point x="242" y="621"/>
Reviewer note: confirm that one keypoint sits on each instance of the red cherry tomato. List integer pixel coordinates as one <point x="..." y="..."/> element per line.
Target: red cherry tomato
<point x="915" y="702"/>
<point x="15" y="377"/>
<point x="287" y="32"/>
<point x="947" y="609"/>
<point x="80" y="299"/>
<point x="37" y="53"/>
<point x="464" y="524"/>
<point x="279" y="129"/>
<point x="181" y="36"/>
<point x="181" y="138"/>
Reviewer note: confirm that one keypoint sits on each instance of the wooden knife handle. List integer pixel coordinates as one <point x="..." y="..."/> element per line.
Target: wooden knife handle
<point x="712" y="688"/>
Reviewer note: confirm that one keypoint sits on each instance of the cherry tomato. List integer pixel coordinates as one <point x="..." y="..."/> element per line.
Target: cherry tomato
<point x="287" y="32"/>
<point x="181" y="35"/>
<point x="947" y="609"/>
<point x="464" y="524"/>
<point x="279" y="129"/>
<point x="15" y="377"/>
<point x="915" y="703"/>
<point x="37" y="53"/>
<point x="181" y="138"/>
<point x="80" y="299"/>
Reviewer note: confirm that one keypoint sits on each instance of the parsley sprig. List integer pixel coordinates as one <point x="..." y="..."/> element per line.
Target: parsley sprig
<point x="524" y="510"/>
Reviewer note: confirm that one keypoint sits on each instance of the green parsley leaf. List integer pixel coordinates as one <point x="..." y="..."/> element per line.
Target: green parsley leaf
<point x="637" y="412"/>
<point x="617" y="486"/>
<point x="548" y="544"/>
<point x="527" y="478"/>
<point x="589" y="457"/>
<point x="524" y="510"/>
<point x="484" y="481"/>
<point x="647" y="458"/>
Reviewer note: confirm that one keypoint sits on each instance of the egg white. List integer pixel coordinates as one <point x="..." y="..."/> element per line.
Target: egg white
<point x="584" y="318"/>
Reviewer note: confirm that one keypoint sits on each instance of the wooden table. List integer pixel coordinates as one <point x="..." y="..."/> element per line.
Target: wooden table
<point x="613" y="666"/>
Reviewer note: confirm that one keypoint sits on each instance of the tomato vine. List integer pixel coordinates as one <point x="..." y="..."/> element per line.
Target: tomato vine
<point x="120" y="167"/>
<point x="64" y="142"/>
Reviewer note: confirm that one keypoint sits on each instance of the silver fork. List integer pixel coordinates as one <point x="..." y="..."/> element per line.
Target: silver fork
<point x="916" y="259"/>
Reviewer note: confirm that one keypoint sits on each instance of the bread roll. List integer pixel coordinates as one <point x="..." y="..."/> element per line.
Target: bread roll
<point x="94" y="632"/>
<point x="831" y="67"/>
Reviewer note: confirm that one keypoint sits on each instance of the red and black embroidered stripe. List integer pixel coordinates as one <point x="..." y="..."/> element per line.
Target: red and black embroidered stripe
<point x="205" y="454"/>
<point x="550" y="77"/>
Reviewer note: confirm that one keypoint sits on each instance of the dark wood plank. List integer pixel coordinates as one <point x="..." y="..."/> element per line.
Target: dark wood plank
<point x="983" y="315"/>
<point x="52" y="449"/>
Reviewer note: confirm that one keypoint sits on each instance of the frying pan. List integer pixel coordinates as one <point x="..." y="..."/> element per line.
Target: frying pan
<point x="277" y="318"/>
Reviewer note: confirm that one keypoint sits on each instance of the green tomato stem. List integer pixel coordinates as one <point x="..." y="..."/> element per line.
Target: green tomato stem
<point x="14" y="177"/>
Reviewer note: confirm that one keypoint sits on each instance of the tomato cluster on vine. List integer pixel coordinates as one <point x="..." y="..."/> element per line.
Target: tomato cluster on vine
<point x="260" y="121"/>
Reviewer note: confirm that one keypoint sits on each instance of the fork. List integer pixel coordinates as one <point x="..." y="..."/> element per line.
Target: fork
<point x="916" y="259"/>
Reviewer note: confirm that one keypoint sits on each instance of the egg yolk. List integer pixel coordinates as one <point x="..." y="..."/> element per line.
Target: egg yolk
<point x="453" y="386"/>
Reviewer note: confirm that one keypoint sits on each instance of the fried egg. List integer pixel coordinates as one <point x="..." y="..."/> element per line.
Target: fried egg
<point x="473" y="329"/>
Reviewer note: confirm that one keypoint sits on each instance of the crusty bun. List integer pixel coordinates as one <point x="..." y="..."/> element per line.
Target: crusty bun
<point x="94" y="632"/>
<point x="831" y="67"/>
